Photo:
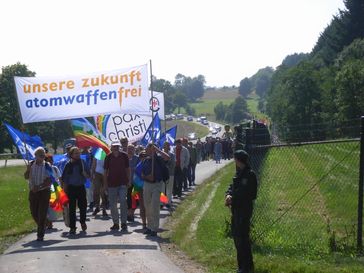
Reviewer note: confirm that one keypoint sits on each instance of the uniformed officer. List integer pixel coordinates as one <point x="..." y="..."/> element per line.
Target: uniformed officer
<point x="239" y="197"/>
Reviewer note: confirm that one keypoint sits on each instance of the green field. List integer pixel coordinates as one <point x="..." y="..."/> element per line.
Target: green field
<point x="211" y="98"/>
<point x="303" y="240"/>
<point x="205" y="107"/>
<point x="14" y="207"/>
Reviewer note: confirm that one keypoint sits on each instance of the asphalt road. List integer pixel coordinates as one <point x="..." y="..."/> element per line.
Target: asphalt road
<point x="98" y="250"/>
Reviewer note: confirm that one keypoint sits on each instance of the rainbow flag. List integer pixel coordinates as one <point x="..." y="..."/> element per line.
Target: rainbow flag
<point x="87" y="135"/>
<point x="101" y="123"/>
<point x="83" y="140"/>
<point x="58" y="197"/>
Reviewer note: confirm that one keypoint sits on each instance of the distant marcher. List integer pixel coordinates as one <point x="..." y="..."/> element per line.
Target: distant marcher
<point x="142" y="157"/>
<point x="186" y="169"/>
<point x="39" y="190"/>
<point x="51" y="214"/>
<point x="152" y="174"/>
<point x="182" y="161"/>
<point x="199" y="150"/>
<point x="97" y="175"/>
<point x="240" y="197"/>
<point x="74" y="178"/>
<point x="171" y="164"/>
<point x="192" y="165"/>
<point x="217" y="151"/>
<point x="117" y="180"/>
<point x="86" y="152"/>
<point x="133" y="160"/>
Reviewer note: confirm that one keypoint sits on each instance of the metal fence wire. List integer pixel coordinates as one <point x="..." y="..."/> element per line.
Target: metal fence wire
<point x="307" y="196"/>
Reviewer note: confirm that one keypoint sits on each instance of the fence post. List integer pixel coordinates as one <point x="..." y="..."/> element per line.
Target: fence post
<point x="360" y="194"/>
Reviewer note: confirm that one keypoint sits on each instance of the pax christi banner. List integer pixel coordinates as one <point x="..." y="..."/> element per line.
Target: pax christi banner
<point x="133" y="126"/>
<point x="57" y="98"/>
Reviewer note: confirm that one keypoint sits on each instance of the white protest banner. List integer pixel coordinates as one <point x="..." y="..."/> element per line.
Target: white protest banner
<point x="116" y="126"/>
<point x="57" y="98"/>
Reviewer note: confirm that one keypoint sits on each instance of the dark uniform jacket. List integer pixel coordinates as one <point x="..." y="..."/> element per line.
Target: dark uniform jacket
<point x="243" y="191"/>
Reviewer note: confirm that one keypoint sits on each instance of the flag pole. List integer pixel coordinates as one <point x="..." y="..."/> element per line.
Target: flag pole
<point x="22" y="128"/>
<point x="152" y="95"/>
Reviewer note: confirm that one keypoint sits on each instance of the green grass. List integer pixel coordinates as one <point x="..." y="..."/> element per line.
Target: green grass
<point x="212" y="97"/>
<point x="185" y="127"/>
<point x="14" y="207"/>
<point x="300" y="242"/>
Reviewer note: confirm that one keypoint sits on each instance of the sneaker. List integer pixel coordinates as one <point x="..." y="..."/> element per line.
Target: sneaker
<point x="124" y="227"/>
<point x="84" y="226"/>
<point x="72" y="231"/>
<point x="96" y="211"/>
<point x="147" y="231"/>
<point x="104" y="213"/>
<point x="115" y="227"/>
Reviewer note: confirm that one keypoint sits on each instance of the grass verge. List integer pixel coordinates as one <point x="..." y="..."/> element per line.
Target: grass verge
<point x="210" y="246"/>
<point x="14" y="207"/>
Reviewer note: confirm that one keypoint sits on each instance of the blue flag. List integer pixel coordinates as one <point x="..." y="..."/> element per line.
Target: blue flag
<point x="169" y="136"/>
<point x="25" y="143"/>
<point x="152" y="134"/>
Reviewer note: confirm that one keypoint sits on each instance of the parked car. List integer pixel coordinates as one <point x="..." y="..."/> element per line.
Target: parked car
<point x="202" y="118"/>
<point x="217" y="128"/>
<point x="198" y="119"/>
<point x="189" y="118"/>
<point x="192" y="136"/>
<point x="173" y="116"/>
<point x="214" y="132"/>
<point x="205" y="122"/>
<point x="168" y="117"/>
<point x="179" y="116"/>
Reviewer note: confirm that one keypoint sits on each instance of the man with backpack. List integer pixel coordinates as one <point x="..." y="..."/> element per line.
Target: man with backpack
<point x="153" y="172"/>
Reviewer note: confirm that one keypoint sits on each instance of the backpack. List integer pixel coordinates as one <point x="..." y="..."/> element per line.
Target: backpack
<point x="164" y="168"/>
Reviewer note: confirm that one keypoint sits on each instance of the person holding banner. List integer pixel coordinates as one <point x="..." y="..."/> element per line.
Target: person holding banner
<point x="117" y="181"/>
<point x="74" y="178"/>
<point x="39" y="190"/>
<point x="152" y="174"/>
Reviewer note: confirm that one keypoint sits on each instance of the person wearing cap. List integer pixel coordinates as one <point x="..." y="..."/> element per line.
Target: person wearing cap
<point x="117" y="181"/>
<point x="124" y="144"/>
<point x="240" y="197"/>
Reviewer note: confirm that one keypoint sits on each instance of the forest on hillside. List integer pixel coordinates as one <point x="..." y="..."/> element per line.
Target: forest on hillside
<point x="318" y="95"/>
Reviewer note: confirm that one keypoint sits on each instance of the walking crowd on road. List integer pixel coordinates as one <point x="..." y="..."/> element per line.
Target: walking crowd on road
<point x="130" y="177"/>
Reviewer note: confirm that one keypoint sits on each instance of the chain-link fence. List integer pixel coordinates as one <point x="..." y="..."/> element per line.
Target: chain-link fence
<point x="307" y="197"/>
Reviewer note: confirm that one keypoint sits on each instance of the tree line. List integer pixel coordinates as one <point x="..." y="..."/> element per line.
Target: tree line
<point x="183" y="91"/>
<point x="318" y="95"/>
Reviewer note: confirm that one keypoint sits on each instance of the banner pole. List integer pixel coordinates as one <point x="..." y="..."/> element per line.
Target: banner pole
<point x="151" y="101"/>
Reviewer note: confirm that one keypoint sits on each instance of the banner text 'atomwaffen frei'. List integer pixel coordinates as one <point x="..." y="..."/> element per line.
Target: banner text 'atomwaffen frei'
<point x="57" y="98"/>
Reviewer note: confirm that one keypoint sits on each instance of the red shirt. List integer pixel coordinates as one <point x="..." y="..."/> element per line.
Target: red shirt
<point x="118" y="168"/>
